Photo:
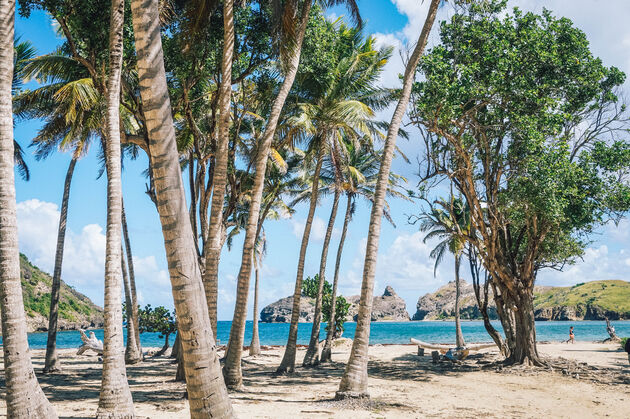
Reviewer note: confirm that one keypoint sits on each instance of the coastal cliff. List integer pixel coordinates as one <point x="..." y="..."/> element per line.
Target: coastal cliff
<point x="76" y="311"/>
<point x="386" y="307"/>
<point x="593" y="300"/>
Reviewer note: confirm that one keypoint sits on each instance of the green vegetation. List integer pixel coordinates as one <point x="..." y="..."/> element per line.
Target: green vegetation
<point x="73" y="306"/>
<point x="310" y="288"/>
<point x="611" y="295"/>
<point x="158" y="319"/>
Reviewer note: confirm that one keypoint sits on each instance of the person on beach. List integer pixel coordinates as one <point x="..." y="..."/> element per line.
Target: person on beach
<point x="571" y="336"/>
<point x="627" y="348"/>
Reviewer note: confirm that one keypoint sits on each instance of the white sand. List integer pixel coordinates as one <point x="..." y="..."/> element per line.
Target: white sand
<point x="401" y="385"/>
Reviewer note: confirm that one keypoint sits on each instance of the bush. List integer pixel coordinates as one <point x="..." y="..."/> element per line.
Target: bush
<point x="341" y="311"/>
<point x="310" y="287"/>
<point x="623" y="342"/>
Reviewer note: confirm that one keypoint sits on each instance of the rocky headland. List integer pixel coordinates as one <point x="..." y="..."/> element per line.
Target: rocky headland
<point x="593" y="300"/>
<point x="386" y="307"/>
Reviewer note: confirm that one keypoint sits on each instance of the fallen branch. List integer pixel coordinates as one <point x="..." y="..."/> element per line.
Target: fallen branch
<point x="90" y="344"/>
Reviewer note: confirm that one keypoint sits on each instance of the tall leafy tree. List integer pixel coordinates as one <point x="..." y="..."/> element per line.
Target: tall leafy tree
<point x="25" y="398"/>
<point x="525" y="122"/>
<point x="354" y="380"/>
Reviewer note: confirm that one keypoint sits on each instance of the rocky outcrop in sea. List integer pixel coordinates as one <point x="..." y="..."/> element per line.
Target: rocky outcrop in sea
<point x="386" y="307"/>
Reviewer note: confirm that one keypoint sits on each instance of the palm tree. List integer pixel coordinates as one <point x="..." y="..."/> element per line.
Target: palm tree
<point x="259" y="253"/>
<point x="23" y="51"/>
<point x="25" y="398"/>
<point x="115" y="397"/>
<point x="449" y="221"/>
<point x="72" y="112"/>
<point x="219" y="177"/>
<point x="354" y="380"/>
<point x="206" y="389"/>
<point x="341" y="106"/>
<point x="133" y="350"/>
<point x="360" y="171"/>
<point x="232" y="368"/>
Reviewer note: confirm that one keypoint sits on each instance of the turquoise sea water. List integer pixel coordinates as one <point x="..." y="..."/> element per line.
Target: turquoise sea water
<point x="381" y="332"/>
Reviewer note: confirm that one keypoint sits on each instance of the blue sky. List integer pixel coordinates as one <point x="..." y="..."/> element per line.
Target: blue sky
<point x="403" y="259"/>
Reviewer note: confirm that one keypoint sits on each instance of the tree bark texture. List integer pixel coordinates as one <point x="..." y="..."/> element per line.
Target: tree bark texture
<point x="354" y="380"/>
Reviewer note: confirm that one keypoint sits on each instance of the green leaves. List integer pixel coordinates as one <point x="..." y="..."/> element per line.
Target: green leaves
<point x="524" y="119"/>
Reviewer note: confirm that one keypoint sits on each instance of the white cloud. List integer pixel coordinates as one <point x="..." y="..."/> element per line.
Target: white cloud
<point x="84" y="254"/>
<point x="598" y="263"/>
<point x="318" y="229"/>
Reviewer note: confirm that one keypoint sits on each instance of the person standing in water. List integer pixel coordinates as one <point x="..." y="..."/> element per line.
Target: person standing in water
<point x="571" y="336"/>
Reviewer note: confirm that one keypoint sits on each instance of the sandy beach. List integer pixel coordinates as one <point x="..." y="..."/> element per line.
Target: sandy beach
<point x="402" y="384"/>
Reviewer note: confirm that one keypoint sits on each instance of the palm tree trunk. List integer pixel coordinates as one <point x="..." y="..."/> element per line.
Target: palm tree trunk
<point x="115" y="397"/>
<point x="312" y="356"/>
<point x="288" y="360"/>
<point x="327" y="351"/>
<point x="354" y="380"/>
<point x="211" y="273"/>
<point x="459" y="337"/>
<point x="132" y="280"/>
<point x="232" y="369"/>
<point x="132" y="355"/>
<point x="207" y="394"/>
<point x="254" y="346"/>
<point x="52" y="362"/>
<point x="25" y="398"/>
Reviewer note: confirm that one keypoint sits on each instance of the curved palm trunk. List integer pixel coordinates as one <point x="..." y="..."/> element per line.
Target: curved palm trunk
<point x="52" y="362"/>
<point x="132" y="354"/>
<point x="211" y="273"/>
<point x="132" y="280"/>
<point x="288" y="360"/>
<point x="25" y="398"/>
<point x="254" y="346"/>
<point x="312" y="356"/>
<point x="459" y="337"/>
<point x="354" y="380"/>
<point x="232" y="369"/>
<point x="207" y="394"/>
<point x="327" y="351"/>
<point x="115" y="397"/>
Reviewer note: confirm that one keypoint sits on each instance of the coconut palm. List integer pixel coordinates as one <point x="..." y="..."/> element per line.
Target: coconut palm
<point x="25" y="398"/>
<point x="360" y="171"/>
<point x="206" y="389"/>
<point x="354" y="380"/>
<point x="259" y="253"/>
<point x="219" y="177"/>
<point x="23" y="51"/>
<point x="115" y="397"/>
<point x="72" y="110"/>
<point x="341" y="106"/>
<point x="232" y="368"/>
<point x="448" y="221"/>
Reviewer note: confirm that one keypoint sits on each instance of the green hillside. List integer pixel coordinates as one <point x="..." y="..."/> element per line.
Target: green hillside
<point x="75" y="309"/>
<point x="610" y="295"/>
